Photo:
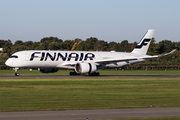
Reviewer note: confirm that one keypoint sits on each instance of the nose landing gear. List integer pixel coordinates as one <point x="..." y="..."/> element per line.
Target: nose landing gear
<point x="16" y="71"/>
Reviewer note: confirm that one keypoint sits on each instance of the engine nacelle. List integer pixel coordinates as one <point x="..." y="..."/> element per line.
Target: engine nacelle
<point x="85" y="67"/>
<point x="48" y="70"/>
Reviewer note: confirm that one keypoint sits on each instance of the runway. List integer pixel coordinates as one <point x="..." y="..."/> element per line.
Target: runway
<point x="86" y="76"/>
<point x="93" y="114"/>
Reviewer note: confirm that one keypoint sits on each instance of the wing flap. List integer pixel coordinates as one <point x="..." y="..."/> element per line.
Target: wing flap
<point x="108" y="61"/>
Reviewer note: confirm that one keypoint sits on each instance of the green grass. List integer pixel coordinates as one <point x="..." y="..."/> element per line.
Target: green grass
<point x="33" y="72"/>
<point x="170" y="118"/>
<point x="102" y="72"/>
<point x="139" y="72"/>
<point x="63" y="94"/>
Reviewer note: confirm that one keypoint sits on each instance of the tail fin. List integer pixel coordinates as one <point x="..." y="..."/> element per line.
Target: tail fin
<point x="143" y="45"/>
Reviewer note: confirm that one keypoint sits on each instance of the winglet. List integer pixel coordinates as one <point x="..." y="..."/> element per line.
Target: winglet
<point x="143" y="45"/>
<point x="166" y="53"/>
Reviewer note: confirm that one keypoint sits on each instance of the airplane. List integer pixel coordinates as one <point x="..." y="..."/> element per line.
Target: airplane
<point x="81" y="62"/>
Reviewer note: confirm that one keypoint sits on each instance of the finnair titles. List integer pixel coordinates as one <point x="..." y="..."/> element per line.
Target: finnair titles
<point x="66" y="57"/>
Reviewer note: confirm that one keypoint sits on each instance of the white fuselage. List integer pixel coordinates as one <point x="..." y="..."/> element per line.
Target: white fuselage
<point x="67" y="59"/>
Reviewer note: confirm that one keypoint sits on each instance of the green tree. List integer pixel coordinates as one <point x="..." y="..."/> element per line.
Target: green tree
<point x="7" y="47"/>
<point x="81" y="46"/>
<point x="153" y="48"/>
<point x="29" y="45"/>
<point x="19" y="48"/>
<point x="100" y="45"/>
<point x="45" y="42"/>
<point x="133" y="45"/>
<point x="66" y="45"/>
<point x="166" y="46"/>
<point x="124" y="46"/>
<point x="18" y="42"/>
<point x="35" y="45"/>
<point x="117" y="47"/>
<point x="54" y="46"/>
<point x="177" y="45"/>
<point x="90" y="42"/>
<point x="111" y="46"/>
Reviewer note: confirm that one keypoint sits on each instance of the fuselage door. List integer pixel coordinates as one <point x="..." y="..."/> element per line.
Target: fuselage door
<point x="27" y="57"/>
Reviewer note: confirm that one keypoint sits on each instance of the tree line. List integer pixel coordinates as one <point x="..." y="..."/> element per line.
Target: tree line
<point x="93" y="44"/>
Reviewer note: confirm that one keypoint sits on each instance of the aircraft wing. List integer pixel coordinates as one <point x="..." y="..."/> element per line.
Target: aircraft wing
<point x="114" y="60"/>
<point x="108" y="61"/>
<point x="103" y="61"/>
<point x="166" y="53"/>
<point x="69" y="63"/>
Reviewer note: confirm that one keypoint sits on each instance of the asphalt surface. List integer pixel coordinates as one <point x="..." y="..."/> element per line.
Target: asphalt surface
<point x="86" y="76"/>
<point x="93" y="114"/>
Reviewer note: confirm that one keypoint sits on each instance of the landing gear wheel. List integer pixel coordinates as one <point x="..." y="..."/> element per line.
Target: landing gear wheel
<point x="94" y="74"/>
<point x="73" y="73"/>
<point x="97" y="74"/>
<point x="16" y="74"/>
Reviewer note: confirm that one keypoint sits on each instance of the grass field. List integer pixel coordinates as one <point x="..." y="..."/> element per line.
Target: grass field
<point x="102" y="72"/>
<point x="175" y="118"/>
<point x="62" y="94"/>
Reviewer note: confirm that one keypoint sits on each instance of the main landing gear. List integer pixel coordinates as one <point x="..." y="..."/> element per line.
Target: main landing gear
<point x="74" y="73"/>
<point x="90" y="74"/>
<point x="16" y="71"/>
<point x="94" y="74"/>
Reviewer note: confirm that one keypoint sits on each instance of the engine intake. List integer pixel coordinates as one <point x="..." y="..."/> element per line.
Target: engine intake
<point x="48" y="70"/>
<point x="85" y="68"/>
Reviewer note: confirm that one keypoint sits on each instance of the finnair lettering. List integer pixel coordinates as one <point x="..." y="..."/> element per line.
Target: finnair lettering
<point x="43" y="56"/>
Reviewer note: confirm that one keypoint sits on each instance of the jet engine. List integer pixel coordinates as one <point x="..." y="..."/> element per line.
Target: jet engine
<point x="48" y="70"/>
<point x="85" y="68"/>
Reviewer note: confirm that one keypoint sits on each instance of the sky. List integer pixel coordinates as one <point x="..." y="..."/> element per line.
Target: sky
<point x="108" y="20"/>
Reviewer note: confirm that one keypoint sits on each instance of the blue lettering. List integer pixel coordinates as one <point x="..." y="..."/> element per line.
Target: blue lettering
<point x="45" y="56"/>
<point x="90" y="57"/>
<point x="76" y="56"/>
<point x="63" y="57"/>
<point x="51" y="57"/>
<point x="81" y="57"/>
<point x="42" y="57"/>
<point x="33" y="55"/>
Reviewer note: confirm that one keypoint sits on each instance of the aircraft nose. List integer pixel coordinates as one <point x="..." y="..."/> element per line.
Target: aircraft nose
<point x="8" y="62"/>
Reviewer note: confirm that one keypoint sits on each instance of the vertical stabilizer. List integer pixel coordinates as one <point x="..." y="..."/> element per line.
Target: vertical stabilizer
<point x="143" y="45"/>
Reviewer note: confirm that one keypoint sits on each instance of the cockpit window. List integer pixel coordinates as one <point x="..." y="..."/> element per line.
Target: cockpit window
<point x="13" y="56"/>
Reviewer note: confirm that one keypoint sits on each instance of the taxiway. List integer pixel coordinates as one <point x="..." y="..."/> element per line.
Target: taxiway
<point x="93" y="114"/>
<point x="86" y="76"/>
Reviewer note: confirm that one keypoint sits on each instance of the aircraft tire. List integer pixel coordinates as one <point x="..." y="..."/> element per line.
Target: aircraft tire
<point x="97" y="74"/>
<point x="73" y="73"/>
<point x="94" y="74"/>
<point x="16" y="74"/>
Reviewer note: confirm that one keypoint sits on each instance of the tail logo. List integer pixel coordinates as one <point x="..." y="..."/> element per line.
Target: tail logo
<point x="143" y="43"/>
